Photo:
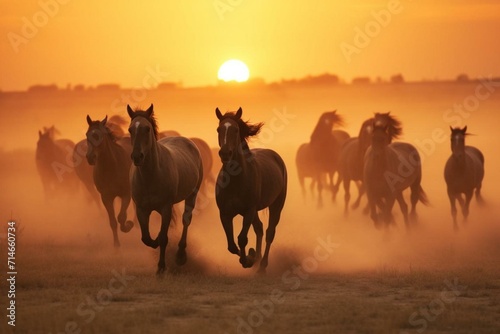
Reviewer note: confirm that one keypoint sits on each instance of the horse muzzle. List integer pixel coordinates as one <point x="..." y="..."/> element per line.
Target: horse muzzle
<point x="225" y="155"/>
<point x="137" y="158"/>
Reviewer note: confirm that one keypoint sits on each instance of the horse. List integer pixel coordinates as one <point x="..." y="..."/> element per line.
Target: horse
<point x="250" y="180"/>
<point x="207" y="160"/>
<point x="304" y="162"/>
<point x="164" y="172"/>
<point x="389" y="168"/>
<point x="83" y="170"/>
<point x="54" y="164"/>
<point x="307" y="168"/>
<point x="463" y="173"/>
<point x="109" y="157"/>
<point x="325" y="147"/>
<point x="351" y="164"/>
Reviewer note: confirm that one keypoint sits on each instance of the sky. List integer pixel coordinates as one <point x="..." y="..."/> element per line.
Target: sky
<point x="138" y="44"/>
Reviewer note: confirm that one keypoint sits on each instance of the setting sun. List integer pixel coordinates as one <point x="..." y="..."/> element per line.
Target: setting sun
<point x="233" y="70"/>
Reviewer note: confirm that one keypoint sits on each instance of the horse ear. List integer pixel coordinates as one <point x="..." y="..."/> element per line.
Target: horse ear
<point x="218" y="113"/>
<point x="104" y="120"/>
<point x="239" y="113"/>
<point x="464" y="130"/>
<point x="40" y="133"/>
<point x="130" y="111"/>
<point x="89" y="120"/>
<point x="150" y="110"/>
<point x="451" y="128"/>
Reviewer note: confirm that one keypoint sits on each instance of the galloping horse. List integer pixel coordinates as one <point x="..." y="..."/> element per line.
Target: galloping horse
<point x="84" y="171"/>
<point x="54" y="164"/>
<point x="464" y="172"/>
<point x="390" y="168"/>
<point x="111" y="160"/>
<point x="351" y="163"/>
<point x="250" y="180"/>
<point x="325" y="146"/>
<point x="165" y="172"/>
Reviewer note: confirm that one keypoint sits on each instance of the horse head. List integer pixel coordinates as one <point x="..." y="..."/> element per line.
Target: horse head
<point x="458" y="141"/>
<point x="143" y="131"/>
<point x="95" y="136"/>
<point x="228" y="133"/>
<point x="233" y="133"/>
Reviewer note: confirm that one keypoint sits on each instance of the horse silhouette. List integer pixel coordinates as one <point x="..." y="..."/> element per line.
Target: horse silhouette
<point x="164" y="172"/>
<point x="389" y="168"/>
<point x="250" y="180"/>
<point x="110" y="158"/>
<point x="463" y="173"/>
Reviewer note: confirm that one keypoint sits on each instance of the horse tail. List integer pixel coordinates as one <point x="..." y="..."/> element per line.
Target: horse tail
<point x="422" y="196"/>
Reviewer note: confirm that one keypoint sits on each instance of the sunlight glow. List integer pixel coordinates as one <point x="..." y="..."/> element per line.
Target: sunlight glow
<point x="233" y="70"/>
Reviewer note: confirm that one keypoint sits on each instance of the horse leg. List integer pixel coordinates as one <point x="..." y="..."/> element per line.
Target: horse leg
<point x="361" y="191"/>
<point x="452" y="198"/>
<point x="162" y="239"/>
<point x="189" y="204"/>
<point x="143" y="217"/>
<point x="388" y="217"/>
<point x="404" y="207"/>
<point x="259" y="232"/>
<point x="274" y="218"/>
<point x="336" y="186"/>
<point x="319" y="180"/>
<point x="347" y="195"/>
<point x="311" y="186"/>
<point x="465" y="208"/>
<point x="248" y="218"/>
<point x="108" y="204"/>
<point x="125" y="225"/>
<point x="373" y="211"/>
<point x="332" y="185"/>
<point x="479" y="198"/>
<point x="227" y="224"/>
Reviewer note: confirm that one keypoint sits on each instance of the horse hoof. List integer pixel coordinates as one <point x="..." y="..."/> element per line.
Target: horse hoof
<point x="160" y="271"/>
<point x="181" y="258"/>
<point x="127" y="226"/>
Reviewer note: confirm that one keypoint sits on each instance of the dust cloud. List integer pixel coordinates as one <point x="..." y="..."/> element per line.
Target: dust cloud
<point x="76" y="224"/>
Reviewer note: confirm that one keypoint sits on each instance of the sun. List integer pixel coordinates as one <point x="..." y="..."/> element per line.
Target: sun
<point x="233" y="70"/>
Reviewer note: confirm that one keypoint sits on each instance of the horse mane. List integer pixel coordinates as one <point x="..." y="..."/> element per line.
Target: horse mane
<point x="109" y="131"/>
<point x="246" y="129"/>
<point x="394" y="126"/>
<point x="320" y="131"/>
<point x="152" y="119"/>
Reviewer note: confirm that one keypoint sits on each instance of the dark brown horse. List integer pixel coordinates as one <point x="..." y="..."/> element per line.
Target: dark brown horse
<point x="351" y="163"/>
<point x="165" y="172"/>
<point x="325" y="146"/>
<point x="464" y="173"/>
<point x="250" y="180"/>
<point x="389" y="168"/>
<point x="54" y="164"/>
<point x="110" y="158"/>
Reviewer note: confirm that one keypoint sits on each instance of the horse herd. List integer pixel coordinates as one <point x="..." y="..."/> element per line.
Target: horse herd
<point x="159" y="169"/>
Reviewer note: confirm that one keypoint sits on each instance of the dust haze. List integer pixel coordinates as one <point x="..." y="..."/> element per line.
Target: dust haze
<point x="79" y="226"/>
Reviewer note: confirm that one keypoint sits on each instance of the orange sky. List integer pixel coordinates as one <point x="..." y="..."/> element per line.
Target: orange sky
<point x="92" y="42"/>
